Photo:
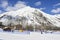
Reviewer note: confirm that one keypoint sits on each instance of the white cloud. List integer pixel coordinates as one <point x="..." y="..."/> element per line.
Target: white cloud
<point x="18" y="5"/>
<point x="37" y="3"/>
<point x="4" y="4"/>
<point x="0" y="11"/>
<point x="42" y="8"/>
<point x="55" y="10"/>
<point x="57" y="4"/>
<point x="10" y="8"/>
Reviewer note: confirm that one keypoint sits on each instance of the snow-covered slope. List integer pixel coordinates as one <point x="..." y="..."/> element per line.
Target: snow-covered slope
<point x="57" y="16"/>
<point x="29" y="16"/>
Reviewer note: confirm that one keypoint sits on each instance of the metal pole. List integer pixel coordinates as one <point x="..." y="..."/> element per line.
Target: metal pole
<point x="34" y="29"/>
<point x="34" y="24"/>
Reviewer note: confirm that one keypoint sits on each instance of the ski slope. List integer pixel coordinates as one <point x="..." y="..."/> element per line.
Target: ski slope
<point x="31" y="36"/>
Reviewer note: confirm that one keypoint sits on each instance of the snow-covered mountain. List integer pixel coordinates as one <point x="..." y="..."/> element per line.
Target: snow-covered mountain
<point x="29" y="16"/>
<point x="57" y="16"/>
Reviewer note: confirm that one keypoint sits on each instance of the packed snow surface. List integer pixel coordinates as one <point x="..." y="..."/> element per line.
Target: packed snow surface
<point x="31" y="36"/>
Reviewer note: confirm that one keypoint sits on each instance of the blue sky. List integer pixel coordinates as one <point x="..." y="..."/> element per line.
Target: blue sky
<point x="48" y="6"/>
